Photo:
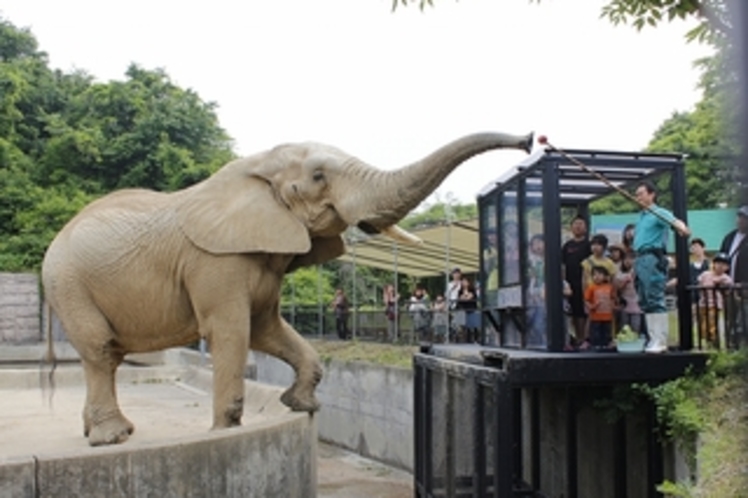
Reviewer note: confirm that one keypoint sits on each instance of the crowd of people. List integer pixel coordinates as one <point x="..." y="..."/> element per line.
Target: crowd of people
<point x="606" y="287"/>
<point x="450" y="317"/>
<point x="609" y="287"/>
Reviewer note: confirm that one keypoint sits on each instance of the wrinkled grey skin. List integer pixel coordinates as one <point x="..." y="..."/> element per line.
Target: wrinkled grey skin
<point x="141" y="271"/>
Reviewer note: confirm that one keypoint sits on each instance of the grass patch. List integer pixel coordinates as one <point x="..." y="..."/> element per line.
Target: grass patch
<point x="723" y="448"/>
<point x="709" y="413"/>
<point x="368" y="352"/>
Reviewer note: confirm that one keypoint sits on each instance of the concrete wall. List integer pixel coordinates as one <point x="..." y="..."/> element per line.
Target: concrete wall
<point x="369" y="409"/>
<point x="275" y="456"/>
<point x="19" y="308"/>
<point x="365" y="408"/>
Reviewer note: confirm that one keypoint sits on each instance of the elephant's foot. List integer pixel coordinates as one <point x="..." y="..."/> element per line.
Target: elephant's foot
<point x="87" y="424"/>
<point x="300" y="400"/>
<point x="231" y="416"/>
<point x="112" y="431"/>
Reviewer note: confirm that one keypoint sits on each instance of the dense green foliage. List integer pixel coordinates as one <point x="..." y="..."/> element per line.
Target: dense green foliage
<point x="66" y="139"/>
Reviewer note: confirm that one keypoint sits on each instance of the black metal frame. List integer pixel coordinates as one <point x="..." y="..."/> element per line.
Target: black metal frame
<point x="497" y="377"/>
<point x="565" y="184"/>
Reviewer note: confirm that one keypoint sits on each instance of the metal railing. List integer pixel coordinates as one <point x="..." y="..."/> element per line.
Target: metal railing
<point x="373" y="325"/>
<point x="720" y="316"/>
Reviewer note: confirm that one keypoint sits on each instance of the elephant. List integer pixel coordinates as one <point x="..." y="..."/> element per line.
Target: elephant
<point x="138" y="270"/>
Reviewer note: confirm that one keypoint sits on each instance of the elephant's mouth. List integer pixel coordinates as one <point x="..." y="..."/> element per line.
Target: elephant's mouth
<point x="367" y="228"/>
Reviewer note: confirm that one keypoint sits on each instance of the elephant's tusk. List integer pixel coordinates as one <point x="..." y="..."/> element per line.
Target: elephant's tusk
<point x="399" y="235"/>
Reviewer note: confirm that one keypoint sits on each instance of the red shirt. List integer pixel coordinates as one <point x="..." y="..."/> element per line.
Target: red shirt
<point x="601" y="300"/>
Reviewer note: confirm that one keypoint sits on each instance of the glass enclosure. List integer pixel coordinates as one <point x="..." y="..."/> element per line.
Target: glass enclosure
<point x="524" y="220"/>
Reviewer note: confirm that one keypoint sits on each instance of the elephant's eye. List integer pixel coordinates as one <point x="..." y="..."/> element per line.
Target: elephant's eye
<point x="318" y="176"/>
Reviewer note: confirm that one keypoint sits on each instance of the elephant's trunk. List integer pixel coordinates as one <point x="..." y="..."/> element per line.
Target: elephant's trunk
<point x="390" y="195"/>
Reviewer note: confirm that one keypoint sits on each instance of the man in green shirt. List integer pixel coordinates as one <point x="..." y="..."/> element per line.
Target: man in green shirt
<point x="651" y="265"/>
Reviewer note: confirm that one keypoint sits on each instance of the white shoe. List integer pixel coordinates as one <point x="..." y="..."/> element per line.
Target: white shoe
<point x="655" y="347"/>
<point x="657" y="326"/>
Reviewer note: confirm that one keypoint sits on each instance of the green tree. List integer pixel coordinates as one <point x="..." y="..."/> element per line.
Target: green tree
<point x="143" y="132"/>
<point x="713" y="15"/>
<point x="439" y="212"/>
<point x="306" y="287"/>
<point x="65" y="139"/>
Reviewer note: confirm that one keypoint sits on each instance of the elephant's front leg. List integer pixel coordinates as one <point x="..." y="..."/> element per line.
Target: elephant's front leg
<point x="272" y="335"/>
<point x="228" y="338"/>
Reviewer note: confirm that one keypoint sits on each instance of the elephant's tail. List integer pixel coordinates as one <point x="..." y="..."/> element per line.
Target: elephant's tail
<point x="49" y="357"/>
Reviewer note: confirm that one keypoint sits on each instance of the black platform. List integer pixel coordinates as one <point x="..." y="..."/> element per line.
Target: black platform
<point x="493" y="416"/>
<point x="525" y="367"/>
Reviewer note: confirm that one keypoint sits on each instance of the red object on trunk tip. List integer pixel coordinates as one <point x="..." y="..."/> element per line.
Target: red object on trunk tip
<point x="542" y="140"/>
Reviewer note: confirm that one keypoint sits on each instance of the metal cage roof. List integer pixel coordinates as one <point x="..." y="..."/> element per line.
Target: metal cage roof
<point x="622" y="169"/>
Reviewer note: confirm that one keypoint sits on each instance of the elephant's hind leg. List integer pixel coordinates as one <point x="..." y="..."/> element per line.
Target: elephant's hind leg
<point x="282" y="341"/>
<point x="103" y="422"/>
<point x="93" y="338"/>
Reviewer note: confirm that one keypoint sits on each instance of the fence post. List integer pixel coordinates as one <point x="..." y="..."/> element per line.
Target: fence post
<point x="320" y="308"/>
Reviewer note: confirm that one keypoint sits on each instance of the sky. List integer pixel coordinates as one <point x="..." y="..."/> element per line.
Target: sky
<point x="390" y="87"/>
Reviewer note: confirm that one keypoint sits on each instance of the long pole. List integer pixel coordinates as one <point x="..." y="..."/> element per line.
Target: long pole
<point x="543" y="140"/>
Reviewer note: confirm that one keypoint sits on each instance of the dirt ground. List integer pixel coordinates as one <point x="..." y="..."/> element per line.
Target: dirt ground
<point x="27" y="421"/>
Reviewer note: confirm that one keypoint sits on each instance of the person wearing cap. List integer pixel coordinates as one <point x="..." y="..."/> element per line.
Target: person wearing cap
<point x="734" y="245"/>
<point x="711" y="302"/>
<point x="651" y="264"/>
<point x="616" y="253"/>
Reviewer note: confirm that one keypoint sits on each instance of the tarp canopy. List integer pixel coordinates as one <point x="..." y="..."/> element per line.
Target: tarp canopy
<point x="456" y="244"/>
<point x="444" y="247"/>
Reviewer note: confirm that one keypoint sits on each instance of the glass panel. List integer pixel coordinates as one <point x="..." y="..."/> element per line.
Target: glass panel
<point x="509" y="240"/>
<point x="510" y="294"/>
<point x="490" y="267"/>
<point x="535" y="318"/>
<point x="490" y="257"/>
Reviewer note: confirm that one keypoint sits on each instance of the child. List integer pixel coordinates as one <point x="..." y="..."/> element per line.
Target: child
<point x="711" y="302"/>
<point x="598" y="244"/>
<point x="600" y="300"/>
<point x="617" y="253"/>
<point x="628" y="300"/>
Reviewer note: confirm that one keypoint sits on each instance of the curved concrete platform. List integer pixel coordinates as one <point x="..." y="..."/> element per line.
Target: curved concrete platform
<point x="171" y="453"/>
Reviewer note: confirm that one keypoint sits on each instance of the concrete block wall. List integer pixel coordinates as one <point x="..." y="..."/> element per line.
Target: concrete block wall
<point x="19" y="308"/>
<point x="365" y="408"/>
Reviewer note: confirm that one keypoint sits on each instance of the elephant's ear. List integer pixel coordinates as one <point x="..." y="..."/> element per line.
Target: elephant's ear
<point x="323" y="249"/>
<point x="240" y="213"/>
